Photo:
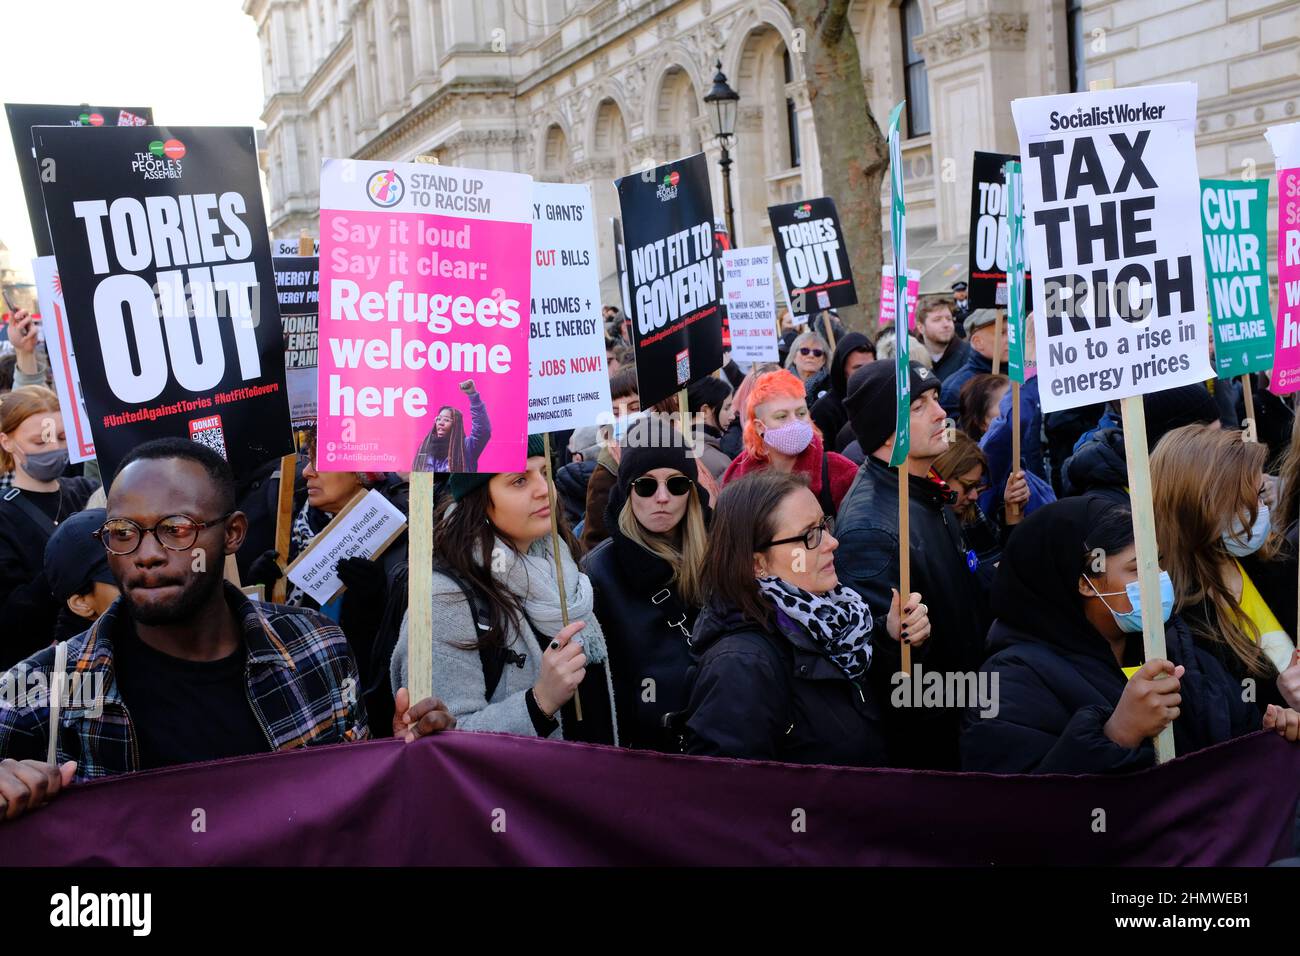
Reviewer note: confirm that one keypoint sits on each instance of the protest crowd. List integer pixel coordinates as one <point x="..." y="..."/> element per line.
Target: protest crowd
<point x="717" y="567"/>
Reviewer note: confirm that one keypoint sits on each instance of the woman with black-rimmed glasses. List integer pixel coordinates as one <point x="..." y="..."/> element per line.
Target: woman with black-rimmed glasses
<point x="783" y="648"/>
<point x="646" y="578"/>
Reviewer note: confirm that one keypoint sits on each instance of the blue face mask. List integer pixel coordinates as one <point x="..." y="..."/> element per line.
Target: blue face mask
<point x="1130" y="622"/>
<point x="1240" y="542"/>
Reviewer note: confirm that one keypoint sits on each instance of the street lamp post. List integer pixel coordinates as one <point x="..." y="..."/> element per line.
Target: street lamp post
<point x="723" y="99"/>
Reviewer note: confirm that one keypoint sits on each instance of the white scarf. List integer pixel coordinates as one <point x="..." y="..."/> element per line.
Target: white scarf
<point x="531" y="577"/>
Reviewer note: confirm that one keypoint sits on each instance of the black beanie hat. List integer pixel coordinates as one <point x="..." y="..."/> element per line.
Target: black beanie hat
<point x="1174" y="407"/>
<point x="873" y="412"/>
<point x="462" y="483"/>
<point x="652" y="442"/>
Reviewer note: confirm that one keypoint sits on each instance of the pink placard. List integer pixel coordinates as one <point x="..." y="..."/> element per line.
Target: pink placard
<point x="887" y="310"/>
<point x="1286" y="358"/>
<point x="415" y="305"/>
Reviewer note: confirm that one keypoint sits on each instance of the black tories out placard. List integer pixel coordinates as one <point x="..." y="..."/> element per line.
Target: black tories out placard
<point x="810" y="249"/>
<point x="23" y="116"/>
<point x="297" y="288"/>
<point x="987" y="288"/>
<point x="166" y="266"/>
<point x="672" y="276"/>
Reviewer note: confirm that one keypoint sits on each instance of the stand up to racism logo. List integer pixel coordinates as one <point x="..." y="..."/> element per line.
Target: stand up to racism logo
<point x="385" y="188"/>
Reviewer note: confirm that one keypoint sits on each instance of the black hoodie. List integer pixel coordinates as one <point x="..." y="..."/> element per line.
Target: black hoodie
<point x="828" y="412"/>
<point x="1098" y="468"/>
<point x="1058" y="680"/>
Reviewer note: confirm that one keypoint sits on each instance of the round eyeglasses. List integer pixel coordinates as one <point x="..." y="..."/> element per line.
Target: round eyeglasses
<point x="175" y="533"/>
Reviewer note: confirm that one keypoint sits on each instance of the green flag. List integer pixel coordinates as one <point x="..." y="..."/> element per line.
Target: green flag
<point x="898" y="235"/>
<point x="1234" y="217"/>
<point x="1015" y="273"/>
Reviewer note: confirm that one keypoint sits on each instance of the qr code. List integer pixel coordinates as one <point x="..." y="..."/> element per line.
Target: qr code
<point x="208" y="431"/>
<point x="823" y="300"/>
<point x="1000" y="294"/>
<point x="683" y="366"/>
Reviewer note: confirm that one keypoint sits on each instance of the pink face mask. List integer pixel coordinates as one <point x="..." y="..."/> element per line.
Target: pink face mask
<point x="791" y="438"/>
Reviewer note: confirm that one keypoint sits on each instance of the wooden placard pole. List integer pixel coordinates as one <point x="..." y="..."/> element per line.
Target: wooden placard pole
<point x="419" y="583"/>
<point x="1013" y="513"/>
<point x="1251" y="434"/>
<point x="58" y="681"/>
<point x="904" y="557"/>
<point x="284" y="523"/>
<point x="555" y="552"/>
<point x="1144" y="537"/>
<point x="830" y="335"/>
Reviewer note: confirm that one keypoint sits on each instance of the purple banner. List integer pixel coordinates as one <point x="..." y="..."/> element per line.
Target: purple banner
<point x="488" y="799"/>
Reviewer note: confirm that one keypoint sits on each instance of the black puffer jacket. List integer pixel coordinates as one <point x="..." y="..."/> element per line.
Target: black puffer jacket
<point x="1058" y="681"/>
<point x="1054" y="700"/>
<point x="571" y="486"/>
<point x="828" y="411"/>
<point x="647" y="628"/>
<point x="867" y="561"/>
<point x="773" y="695"/>
<point x="1099" y="468"/>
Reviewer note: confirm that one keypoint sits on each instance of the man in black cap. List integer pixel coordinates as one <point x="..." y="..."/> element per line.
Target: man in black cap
<point x="76" y="566"/>
<point x="942" y="564"/>
<point x="961" y="307"/>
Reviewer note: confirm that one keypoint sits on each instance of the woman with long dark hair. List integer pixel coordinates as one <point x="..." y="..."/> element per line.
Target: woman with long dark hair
<point x="447" y="447"/>
<point x="784" y="649"/>
<point x="503" y="659"/>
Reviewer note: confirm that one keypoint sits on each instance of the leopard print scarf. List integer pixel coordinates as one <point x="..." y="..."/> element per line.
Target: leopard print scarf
<point x="839" y="621"/>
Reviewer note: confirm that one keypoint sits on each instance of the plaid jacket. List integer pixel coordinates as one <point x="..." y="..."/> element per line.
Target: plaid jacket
<point x="302" y="683"/>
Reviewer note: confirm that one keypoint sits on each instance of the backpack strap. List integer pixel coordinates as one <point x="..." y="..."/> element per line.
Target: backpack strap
<point x="28" y="507"/>
<point x="493" y="659"/>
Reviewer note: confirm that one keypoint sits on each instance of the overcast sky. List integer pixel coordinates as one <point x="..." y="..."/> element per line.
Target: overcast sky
<point x="196" y="62"/>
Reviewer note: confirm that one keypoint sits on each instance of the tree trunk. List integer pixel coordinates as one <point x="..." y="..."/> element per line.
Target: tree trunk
<point x="854" y="154"/>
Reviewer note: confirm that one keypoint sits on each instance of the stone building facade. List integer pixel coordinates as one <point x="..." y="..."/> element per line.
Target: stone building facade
<point x="589" y="90"/>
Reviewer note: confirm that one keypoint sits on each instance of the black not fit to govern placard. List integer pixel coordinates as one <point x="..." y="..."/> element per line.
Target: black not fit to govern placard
<point x="163" y="251"/>
<point x="672" y="276"/>
<point x="23" y="116"/>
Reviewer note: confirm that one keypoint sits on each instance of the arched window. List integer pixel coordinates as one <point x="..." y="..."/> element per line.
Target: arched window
<point x="915" y="79"/>
<point x="1074" y="42"/>
<point x="791" y="115"/>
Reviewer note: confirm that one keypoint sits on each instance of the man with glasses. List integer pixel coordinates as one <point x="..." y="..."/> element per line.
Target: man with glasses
<point x="190" y="669"/>
<point x="943" y="565"/>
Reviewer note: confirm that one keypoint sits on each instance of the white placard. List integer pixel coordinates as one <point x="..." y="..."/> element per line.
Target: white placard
<point x="751" y="306"/>
<point x="568" y="382"/>
<point x="63" y="363"/>
<point x="363" y="529"/>
<point x="1285" y="141"/>
<point x="1113" y="228"/>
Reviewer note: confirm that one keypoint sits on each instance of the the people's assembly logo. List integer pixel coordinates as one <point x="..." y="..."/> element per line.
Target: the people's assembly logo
<point x="385" y="188"/>
<point x="804" y="211"/>
<point x="162" y="160"/>
<point x="668" y="188"/>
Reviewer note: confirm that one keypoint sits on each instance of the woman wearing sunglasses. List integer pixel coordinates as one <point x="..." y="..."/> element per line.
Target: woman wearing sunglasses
<point x="646" y="578"/>
<point x="780" y="435"/>
<point x="808" y="355"/>
<point x="791" y="665"/>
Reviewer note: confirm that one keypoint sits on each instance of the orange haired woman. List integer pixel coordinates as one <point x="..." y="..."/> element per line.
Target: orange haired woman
<point x="780" y="434"/>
